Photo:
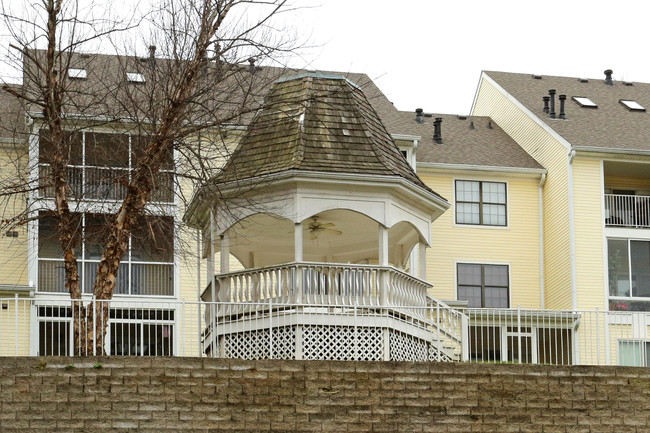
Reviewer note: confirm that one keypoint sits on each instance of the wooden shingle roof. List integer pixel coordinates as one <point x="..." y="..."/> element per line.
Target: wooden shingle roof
<point x="319" y="123"/>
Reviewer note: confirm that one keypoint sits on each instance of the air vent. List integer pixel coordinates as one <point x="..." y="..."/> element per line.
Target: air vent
<point x="583" y="80"/>
<point x="632" y="105"/>
<point x="462" y="117"/>
<point x="585" y="102"/>
<point x="628" y="83"/>
<point x="537" y="77"/>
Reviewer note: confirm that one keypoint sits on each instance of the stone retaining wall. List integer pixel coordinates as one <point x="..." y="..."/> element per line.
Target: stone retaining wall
<point x="197" y="395"/>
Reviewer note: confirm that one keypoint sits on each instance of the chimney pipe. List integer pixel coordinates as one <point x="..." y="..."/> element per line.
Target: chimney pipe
<point x="546" y="99"/>
<point x="562" y="113"/>
<point x="251" y="65"/>
<point x="437" y="130"/>
<point x="551" y="94"/>
<point x="608" y="77"/>
<point x="152" y="52"/>
<point x="419" y="117"/>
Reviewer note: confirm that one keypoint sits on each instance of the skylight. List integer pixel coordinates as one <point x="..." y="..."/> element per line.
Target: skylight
<point x="135" y="77"/>
<point x="583" y="101"/>
<point x="77" y="73"/>
<point x="632" y="105"/>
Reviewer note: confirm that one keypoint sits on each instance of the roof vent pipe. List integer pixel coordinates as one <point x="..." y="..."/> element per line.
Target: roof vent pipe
<point x="546" y="99"/>
<point x="419" y="117"/>
<point x="251" y="65"/>
<point x="562" y="99"/>
<point x="608" y="77"/>
<point x="152" y="52"/>
<point x="551" y="94"/>
<point x="437" y="130"/>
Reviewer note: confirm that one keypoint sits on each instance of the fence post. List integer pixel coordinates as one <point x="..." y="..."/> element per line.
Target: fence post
<point x="464" y="343"/>
<point x="270" y="328"/>
<point x="16" y="324"/>
<point x="519" y="333"/>
<point x="598" y="335"/>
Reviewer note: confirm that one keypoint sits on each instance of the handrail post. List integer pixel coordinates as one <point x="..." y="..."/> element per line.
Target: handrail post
<point x="464" y="342"/>
<point x="519" y="333"/>
<point x="16" y="323"/>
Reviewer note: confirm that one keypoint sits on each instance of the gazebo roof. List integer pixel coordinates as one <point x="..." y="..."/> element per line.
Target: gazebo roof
<point x="316" y="123"/>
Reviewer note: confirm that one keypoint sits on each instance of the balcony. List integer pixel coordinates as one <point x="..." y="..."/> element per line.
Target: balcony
<point x="627" y="211"/>
<point x="328" y="311"/>
<point x="133" y="278"/>
<point x="104" y="183"/>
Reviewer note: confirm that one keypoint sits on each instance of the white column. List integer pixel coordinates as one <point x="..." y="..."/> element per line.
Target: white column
<point x="210" y="265"/>
<point x="422" y="261"/>
<point x="383" y="245"/>
<point x="224" y="256"/>
<point x="383" y="261"/>
<point x="298" y="257"/>
<point x="297" y="242"/>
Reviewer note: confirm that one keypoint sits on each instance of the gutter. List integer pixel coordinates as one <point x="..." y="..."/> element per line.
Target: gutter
<point x="540" y="199"/>
<point x="594" y="149"/>
<point x="572" y="232"/>
<point x="486" y="168"/>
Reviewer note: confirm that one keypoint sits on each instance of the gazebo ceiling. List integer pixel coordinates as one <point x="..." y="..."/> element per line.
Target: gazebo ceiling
<point x="341" y="236"/>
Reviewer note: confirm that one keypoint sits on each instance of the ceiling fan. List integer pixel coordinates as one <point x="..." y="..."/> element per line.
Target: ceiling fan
<point x="316" y="227"/>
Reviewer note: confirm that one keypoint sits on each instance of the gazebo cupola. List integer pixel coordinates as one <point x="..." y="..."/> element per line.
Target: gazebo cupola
<point x="318" y="205"/>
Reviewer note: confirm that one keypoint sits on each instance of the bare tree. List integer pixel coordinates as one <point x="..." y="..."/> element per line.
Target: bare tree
<point x="175" y="104"/>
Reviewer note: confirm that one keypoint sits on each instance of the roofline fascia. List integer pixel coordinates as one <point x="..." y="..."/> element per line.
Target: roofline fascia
<point x="292" y="175"/>
<point x="524" y="171"/>
<point x="297" y="175"/>
<point x="610" y="150"/>
<point x="103" y="119"/>
<point x="522" y="107"/>
<point x="406" y="137"/>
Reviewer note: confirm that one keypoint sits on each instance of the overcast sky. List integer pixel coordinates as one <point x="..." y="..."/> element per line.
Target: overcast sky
<point x="430" y="54"/>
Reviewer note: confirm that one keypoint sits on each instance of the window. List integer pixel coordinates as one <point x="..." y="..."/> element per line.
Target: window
<point x="483" y="285"/>
<point x="135" y="77"/>
<point x="634" y="353"/>
<point x="632" y="105"/>
<point x="628" y="267"/>
<point x="77" y="73"/>
<point x="583" y="101"/>
<point x="481" y="203"/>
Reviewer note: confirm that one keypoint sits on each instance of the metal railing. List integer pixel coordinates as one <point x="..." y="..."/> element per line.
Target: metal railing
<point x="243" y="330"/>
<point x="104" y="183"/>
<point x="627" y="210"/>
<point x="285" y="330"/>
<point x="133" y="278"/>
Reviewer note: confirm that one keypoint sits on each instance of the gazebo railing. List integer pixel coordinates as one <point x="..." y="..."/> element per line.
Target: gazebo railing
<point x="322" y="283"/>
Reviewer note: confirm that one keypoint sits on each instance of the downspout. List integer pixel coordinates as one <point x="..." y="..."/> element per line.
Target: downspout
<point x="572" y="232"/>
<point x="540" y="206"/>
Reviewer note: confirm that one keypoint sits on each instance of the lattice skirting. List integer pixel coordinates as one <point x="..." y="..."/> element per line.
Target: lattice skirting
<point x="324" y="342"/>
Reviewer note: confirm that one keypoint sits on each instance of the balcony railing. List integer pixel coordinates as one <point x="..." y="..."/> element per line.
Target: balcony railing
<point x="627" y="210"/>
<point x="133" y="278"/>
<point x="105" y="183"/>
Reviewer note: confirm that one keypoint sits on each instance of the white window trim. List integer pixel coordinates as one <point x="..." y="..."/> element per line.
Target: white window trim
<point x="480" y="179"/>
<point x="484" y="262"/>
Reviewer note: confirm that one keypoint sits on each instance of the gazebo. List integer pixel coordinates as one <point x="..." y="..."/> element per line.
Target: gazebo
<point x="330" y="224"/>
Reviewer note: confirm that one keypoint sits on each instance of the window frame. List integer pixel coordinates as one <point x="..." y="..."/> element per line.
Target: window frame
<point x="629" y="302"/>
<point x="482" y="285"/>
<point x="481" y="204"/>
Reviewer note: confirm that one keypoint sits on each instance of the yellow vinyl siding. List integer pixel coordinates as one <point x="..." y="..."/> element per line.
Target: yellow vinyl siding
<point x="551" y="154"/>
<point x="587" y="195"/>
<point x="13" y="250"/>
<point x="516" y="245"/>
